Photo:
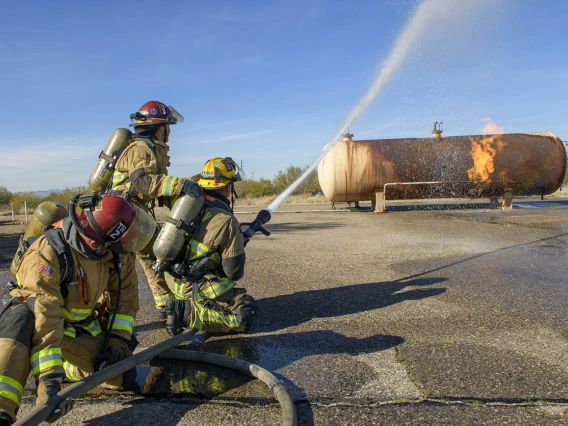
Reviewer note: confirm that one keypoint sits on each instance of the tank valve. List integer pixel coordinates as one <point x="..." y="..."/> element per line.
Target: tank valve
<point x="437" y="132"/>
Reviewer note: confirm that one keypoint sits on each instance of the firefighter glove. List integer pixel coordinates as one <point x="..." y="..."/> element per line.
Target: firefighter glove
<point x="191" y="188"/>
<point x="47" y="388"/>
<point x="118" y="350"/>
<point x="178" y="315"/>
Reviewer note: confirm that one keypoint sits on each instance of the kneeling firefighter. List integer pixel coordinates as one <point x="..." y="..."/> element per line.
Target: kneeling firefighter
<point x="141" y="176"/>
<point x="74" y="303"/>
<point x="204" y="277"/>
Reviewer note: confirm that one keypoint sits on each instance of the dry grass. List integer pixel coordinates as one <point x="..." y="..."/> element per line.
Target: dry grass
<point x="292" y="200"/>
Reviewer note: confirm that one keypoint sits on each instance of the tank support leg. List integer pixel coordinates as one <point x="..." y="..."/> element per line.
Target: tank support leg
<point x="379" y="201"/>
<point x="508" y="199"/>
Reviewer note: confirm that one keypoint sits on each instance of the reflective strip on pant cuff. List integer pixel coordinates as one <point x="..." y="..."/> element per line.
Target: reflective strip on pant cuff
<point x="45" y="359"/>
<point x="163" y="299"/>
<point x="11" y="389"/>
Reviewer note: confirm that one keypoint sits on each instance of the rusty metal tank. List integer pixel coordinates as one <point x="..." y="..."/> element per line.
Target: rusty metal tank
<point x="454" y="166"/>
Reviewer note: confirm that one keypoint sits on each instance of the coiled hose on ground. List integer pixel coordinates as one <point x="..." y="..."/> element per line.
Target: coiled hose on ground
<point x="164" y="350"/>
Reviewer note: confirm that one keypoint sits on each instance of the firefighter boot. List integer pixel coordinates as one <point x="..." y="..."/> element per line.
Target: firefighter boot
<point x="245" y="308"/>
<point x="5" y="419"/>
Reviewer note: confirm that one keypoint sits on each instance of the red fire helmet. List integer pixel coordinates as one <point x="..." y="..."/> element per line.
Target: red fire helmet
<point x="153" y="113"/>
<point x="108" y="219"/>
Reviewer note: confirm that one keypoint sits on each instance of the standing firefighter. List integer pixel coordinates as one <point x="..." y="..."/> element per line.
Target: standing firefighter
<point x="73" y="307"/>
<point x="141" y="175"/>
<point x="206" y="297"/>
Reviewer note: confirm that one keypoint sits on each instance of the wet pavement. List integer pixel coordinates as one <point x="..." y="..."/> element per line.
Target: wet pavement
<point x="435" y="316"/>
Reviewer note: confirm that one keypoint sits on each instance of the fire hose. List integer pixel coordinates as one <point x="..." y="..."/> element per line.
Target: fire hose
<point x="164" y="350"/>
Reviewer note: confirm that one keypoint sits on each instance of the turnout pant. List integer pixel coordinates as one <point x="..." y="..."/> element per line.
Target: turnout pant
<point x="217" y="306"/>
<point x="157" y="282"/>
<point x="16" y="329"/>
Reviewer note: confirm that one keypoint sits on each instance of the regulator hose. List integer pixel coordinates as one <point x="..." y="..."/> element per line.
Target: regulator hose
<point x="164" y="350"/>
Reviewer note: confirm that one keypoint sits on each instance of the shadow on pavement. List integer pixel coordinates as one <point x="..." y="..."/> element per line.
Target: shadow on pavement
<point x="290" y="310"/>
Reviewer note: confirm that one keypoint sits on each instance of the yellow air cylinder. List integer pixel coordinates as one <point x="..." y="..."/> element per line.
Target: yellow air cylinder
<point x="176" y="230"/>
<point x="102" y="173"/>
<point x="47" y="213"/>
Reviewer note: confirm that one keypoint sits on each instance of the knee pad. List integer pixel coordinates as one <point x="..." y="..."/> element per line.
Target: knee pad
<point x="17" y="323"/>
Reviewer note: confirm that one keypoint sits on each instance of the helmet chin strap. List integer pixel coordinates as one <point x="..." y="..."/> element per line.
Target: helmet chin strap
<point x="234" y="194"/>
<point x="165" y="134"/>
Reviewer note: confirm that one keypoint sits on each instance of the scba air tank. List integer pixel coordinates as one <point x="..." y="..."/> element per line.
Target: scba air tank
<point x="177" y="229"/>
<point x="47" y="213"/>
<point x="102" y="173"/>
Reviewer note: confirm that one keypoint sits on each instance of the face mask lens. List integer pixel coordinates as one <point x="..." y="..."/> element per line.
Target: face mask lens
<point x="140" y="232"/>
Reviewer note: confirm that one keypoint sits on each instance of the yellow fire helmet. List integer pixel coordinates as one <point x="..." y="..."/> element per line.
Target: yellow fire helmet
<point x="219" y="172"/>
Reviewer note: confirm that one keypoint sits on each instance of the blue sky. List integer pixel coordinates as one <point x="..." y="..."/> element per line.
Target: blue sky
<point x="266" y="82"/>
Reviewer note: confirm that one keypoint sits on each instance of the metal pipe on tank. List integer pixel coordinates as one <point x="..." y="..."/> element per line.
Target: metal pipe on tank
<point x="479" y="165"/>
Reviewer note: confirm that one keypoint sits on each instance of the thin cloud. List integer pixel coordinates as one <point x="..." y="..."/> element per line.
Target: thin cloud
<point x="232" y="137"/>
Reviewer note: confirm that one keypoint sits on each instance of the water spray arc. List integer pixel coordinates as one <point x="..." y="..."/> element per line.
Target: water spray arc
<point x="414" y="29"/>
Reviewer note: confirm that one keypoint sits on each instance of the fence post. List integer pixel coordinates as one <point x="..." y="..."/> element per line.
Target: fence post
<point x="26" y="210"/>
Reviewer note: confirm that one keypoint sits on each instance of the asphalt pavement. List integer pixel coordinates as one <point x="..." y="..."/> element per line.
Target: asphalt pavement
<point x="453" y="315"/>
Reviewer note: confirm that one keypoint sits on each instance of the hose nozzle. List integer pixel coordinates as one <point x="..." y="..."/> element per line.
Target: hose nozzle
<point x="256" y="225"/>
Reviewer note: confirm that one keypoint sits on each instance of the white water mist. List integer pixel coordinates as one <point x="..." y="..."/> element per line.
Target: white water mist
<point x="427" y="14"/>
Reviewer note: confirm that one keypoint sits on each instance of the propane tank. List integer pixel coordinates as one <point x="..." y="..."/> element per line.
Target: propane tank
<point x="102" y="173"/>
<point x="177" y="228"/>
<point x="47" y="213"/>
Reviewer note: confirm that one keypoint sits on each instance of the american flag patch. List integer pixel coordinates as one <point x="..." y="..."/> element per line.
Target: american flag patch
<point x="44" y="271"/>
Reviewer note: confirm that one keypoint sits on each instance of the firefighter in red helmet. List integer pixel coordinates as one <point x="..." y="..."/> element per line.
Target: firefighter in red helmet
<point x="73" y="306"/>
<point x="141" y="174"/>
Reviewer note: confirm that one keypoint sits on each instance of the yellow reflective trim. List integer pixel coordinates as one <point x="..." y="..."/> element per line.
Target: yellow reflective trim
<point x="70" y="332"/>
<point x="93" y="328"/>
<point x="198" y="250"/>
<point x="11" y="389"/>
<point x="215" y="317"/>
<point x="214" y="289"/>
<point x="46" y="358"/>
<point x="123" y="322"/>
<point x="162" y="300"/>
<point x="168" y="186"/>
<point x="118" y="178"/>
<point x="69" y="371"/>
<point x="179" y="288"/>
<point x="77" y="314"/>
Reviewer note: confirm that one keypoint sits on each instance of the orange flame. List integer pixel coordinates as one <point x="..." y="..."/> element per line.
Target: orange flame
<point x="483" y="152"/>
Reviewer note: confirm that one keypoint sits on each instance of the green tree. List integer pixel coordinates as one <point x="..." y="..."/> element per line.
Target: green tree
<point x="5" y="196"/>
<point x="27" y="198"/>
<point x="66" y="194"/>
<point x="252" y="188"/>
<point x="284" y="179"/>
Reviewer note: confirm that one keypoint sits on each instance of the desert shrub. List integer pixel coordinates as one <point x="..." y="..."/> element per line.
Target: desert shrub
<point x="254" y="188"/>
<point x="66" y="194"/>
<point x="283" y="179"/>
<point x="5" y="196"/>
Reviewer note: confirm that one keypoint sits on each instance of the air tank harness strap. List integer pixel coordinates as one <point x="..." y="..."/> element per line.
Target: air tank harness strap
<point x="180" y="224"/>
<point x="57" y="242"/>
